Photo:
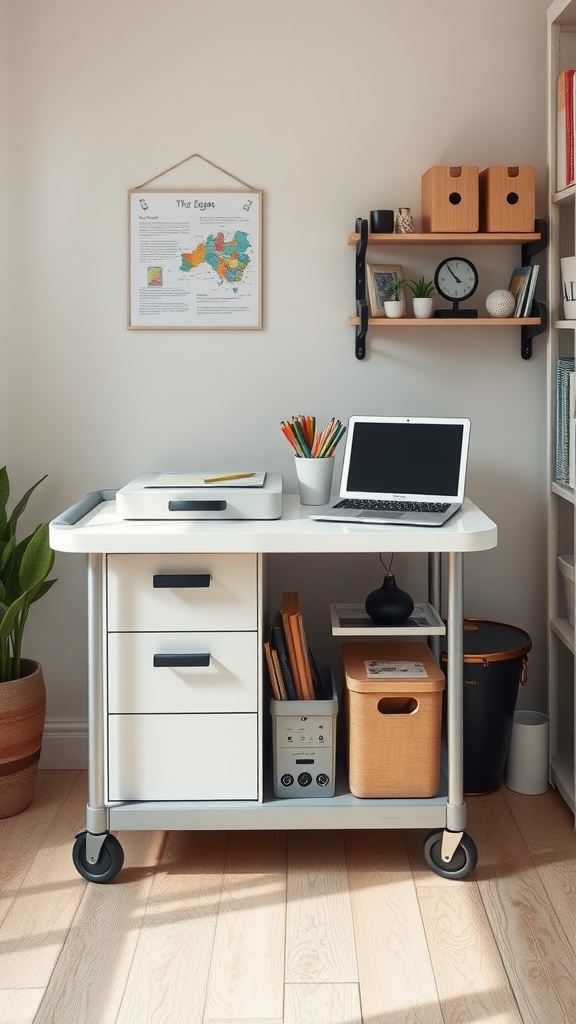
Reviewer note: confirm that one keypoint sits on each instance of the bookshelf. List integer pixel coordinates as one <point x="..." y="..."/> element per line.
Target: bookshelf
<point x="531" y="244"/>
<point x="561" y="342"/>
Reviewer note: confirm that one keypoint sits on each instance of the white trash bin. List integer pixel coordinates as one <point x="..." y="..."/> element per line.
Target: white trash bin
<point x="527" y="764"/>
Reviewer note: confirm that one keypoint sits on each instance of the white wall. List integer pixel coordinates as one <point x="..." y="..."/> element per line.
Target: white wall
<point x="332" y="108"/>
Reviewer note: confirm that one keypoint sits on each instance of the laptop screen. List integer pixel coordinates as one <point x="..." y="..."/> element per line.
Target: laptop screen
<point x="390" y="457"/>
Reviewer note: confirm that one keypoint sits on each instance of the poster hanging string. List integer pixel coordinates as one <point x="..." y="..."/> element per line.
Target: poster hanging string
<point x="184" y="161"/>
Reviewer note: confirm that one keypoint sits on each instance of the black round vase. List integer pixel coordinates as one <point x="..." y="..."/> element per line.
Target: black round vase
<point x="389" y="605"/>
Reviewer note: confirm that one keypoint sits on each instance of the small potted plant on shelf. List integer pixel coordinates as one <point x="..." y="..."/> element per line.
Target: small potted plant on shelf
<point x="394" y="305"/>
<point x="24" y="569"/>
<point x="422" y="302"/>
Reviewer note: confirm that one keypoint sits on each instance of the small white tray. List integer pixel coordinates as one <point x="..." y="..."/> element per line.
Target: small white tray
<point x="352" y="620"/>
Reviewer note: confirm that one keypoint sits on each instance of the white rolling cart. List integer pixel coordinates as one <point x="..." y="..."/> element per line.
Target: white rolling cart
<point x="177" y="713"/>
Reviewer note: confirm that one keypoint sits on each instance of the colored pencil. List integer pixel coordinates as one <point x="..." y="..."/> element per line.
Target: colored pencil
<point x="301" y="432"/>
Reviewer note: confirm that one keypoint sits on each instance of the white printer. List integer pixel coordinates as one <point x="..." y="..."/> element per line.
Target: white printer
<point x="201" y="495"/>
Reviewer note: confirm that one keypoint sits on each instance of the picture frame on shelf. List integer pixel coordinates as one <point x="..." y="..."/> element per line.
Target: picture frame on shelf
<point x="378" y="279"/>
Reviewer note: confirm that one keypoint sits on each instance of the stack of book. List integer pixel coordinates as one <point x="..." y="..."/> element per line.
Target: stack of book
<point x="565" y="411"/>
<point x="523" y="288"/>
<point x="565" y="130"/>
<point x="291" y="668"/>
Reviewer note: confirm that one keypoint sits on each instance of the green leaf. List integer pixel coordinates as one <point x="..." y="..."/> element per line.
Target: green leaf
<point x="19" y="508"/>
<point x="9" y="619"/>
<point x="37" y="560"/>
<point x="40" y="590"/>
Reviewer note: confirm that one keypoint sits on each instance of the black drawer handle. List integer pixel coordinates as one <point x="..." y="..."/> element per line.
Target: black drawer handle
<point x="181" y="660"/>
<point x="174" y="581"/>
<point x="214" y="505"/>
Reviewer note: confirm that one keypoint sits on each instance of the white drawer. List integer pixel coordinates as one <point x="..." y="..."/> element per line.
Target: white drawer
<point x="183" y="757"/>
<point x="206" y="592"/>
<point x="229" y="681"/>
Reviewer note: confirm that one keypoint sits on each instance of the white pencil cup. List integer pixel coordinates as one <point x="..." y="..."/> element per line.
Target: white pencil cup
<point x="527" y="764"/>
<point x="568" y="275"/>
<point x="314" y="478"/>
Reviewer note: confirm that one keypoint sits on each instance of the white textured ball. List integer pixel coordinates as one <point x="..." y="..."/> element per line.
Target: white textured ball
<point x="500" y="303"/>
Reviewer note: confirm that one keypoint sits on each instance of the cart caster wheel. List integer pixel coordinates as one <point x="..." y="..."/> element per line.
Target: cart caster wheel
<point x="108" y="864"/>
<point x="462" y="863"/>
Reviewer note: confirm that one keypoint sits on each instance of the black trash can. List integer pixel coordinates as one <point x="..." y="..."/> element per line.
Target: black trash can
<point x="495" y="664"/>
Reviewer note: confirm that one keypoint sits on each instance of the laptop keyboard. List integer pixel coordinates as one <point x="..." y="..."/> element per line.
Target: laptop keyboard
<point x="393" y="506"/>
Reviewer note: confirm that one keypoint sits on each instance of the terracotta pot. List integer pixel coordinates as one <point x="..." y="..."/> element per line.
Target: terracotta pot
<point x="22" y="716"/>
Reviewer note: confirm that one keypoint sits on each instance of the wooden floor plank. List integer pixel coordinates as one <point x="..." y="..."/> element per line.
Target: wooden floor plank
<point x="319" y="931"/>
<point x="537" y="957"/>
<point x="547" y="827"/>
<point x="470" y="977"/>
<point x="37" y="923"/>
<point x="19" y="1005"/>
<point x="88" y="981"/>
<point x="397" y="983"/>
<point x="169" y="972"/>
<point x="246" y="979"/>
<point x="322" y="1004"/>
<point x="22" y="835"/>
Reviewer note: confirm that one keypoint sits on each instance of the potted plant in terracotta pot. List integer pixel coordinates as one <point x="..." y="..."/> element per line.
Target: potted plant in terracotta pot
<point x="422" y="302"/>
<point x="24" y="569"/>
<point x="394" y="305"/>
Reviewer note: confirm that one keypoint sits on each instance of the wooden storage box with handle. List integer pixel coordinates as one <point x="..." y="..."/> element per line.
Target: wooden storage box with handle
<point x="450" y="199"/>
<point x="393" y="701"/>
<point x="507" y="199"/>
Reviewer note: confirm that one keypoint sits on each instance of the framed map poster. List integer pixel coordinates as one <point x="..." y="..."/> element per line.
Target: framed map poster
<point x="195" y="260"/>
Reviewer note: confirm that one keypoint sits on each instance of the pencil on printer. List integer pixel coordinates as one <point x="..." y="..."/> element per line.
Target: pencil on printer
<point x="227" y="476"/>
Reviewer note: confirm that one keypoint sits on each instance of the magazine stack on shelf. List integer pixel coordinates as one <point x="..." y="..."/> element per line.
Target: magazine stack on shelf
<point x="291" y="668"/>
<point x="565" y="412"/>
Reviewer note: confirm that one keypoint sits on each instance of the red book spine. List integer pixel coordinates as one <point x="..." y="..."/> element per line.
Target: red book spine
<point x="569" y="82"/>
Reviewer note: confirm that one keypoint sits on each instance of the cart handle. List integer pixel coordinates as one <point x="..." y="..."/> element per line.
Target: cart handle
<point x="82" y="507"/>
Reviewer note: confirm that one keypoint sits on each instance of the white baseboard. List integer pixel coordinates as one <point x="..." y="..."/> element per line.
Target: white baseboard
<point x="65" y="745"/>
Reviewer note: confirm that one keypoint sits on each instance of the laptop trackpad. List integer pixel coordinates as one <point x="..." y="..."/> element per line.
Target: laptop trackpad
<point x="372" y="513"/>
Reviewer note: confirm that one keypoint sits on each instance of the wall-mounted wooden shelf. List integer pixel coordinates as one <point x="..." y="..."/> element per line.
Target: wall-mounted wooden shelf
<point x="480" y="321"/>
<point x="464" y="238"/>
<point x="531" y="243"/>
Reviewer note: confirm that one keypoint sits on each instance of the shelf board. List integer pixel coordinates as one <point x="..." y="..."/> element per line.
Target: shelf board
<point x="565" y="632"/>
<point x="480" y="321"/>
<point x="563" y="491"/>
<point x="424" y="621"/>
<point x="447" y="238"/>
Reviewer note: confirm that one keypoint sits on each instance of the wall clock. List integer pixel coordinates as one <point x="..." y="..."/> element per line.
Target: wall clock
<point x="456" y="279"/>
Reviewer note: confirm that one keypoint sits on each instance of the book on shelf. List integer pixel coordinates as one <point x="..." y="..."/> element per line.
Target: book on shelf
<point x="530" y="291"/>
<point x="274" y="675"/>
<point x="278" y="644"/>
<point x="518" y="286"/>
<point x="566" y="112"/>
<point x="296" y="645"/>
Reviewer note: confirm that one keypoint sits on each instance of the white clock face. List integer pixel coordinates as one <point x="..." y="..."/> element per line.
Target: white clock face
<point x="456" y="279"/>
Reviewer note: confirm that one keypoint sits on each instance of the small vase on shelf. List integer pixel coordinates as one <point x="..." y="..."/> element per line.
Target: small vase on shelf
<point x="405" y="224"/>
<point x="389" y="605"/>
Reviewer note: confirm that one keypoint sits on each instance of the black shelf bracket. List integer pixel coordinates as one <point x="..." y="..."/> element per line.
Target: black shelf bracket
<point x="531" y="249"/>
<point x="361" y="304"/>
<point x="529" y="331"/>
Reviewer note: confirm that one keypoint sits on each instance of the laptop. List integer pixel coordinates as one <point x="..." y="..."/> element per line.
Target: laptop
<point x="406" y="471"/>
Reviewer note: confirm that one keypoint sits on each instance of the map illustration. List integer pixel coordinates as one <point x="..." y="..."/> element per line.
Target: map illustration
<point x="229" y="258"/>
